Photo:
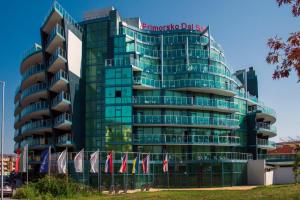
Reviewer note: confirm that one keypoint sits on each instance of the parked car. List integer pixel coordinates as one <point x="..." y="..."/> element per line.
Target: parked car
<point x="7" y="189"/>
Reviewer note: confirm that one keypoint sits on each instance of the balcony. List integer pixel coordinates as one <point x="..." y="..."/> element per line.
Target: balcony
<point x="59" y="82"/>
<point x="39" y="143"/>
<point x="265" y="144"/>
<point x="144" y="83"/>
<point x="278" y="157"/>
<point x="35" y="110"/>
<point x="17" y="122"/>
<point x="185" y="103"/>
<point x="63" y="122"/>
<point x="34" y="74"/>
<point x="65" y="141"/>
<point x="205" y="140"/>
<point x="30" y="57"/>
<point x="61" y="102"/>
<point x="266" y="129"/>
<point x="34" y="93"/>
<point x="17" y="94"/>
<point x="57" y="61"/>
<point x="201" y="85"/>
<point x="36" y="127"/>
<point x="17" y="134"/>
<point x="209" y="156"/>
<point x="266" y="113"/>
<point x="55" y="15"/>
<point x="185" y="121"/>
<point x="55" y="38"/>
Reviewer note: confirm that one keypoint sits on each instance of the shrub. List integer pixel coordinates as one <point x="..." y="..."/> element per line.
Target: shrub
<point x="26" y="192"/>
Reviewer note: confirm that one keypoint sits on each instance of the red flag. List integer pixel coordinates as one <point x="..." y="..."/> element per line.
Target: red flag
<point x="124" y="164"/>
<point x="166" y="164"/>
<point x="17" y="168"/>
<point x="109" y="163"/>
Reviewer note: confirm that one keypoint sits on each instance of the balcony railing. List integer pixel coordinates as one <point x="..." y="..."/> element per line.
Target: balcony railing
<point x="186" y="120"/>
<point x="41" y="124"/>
<point x="278" y="157"/>
<point x="60" y="75"/>
<point x="42" y="105"/>
<point x="65" y="140"/>
<point x="190" y="139"/>
<point x="265" y="143"/>
<point x="33" y="70"/>
<point x="35" y="49"/>
<point x="34" y="89"/>
<point x="57" y="30"/>
<point x="190" y="101"/>
<point x="63" y="96"/>
<point x="266" y="126"/>
<point x="63" y="118"/>
<point x="59" y="53"/>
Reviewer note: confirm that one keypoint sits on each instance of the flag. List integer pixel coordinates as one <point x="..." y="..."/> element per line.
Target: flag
<point x="94" y="160"/>
<point x="109" y="163"/>
<point x="17" y="166"/>
<point x="45" y="161"/>
<point x="78" y="161"/>
<point x="24" y="159"/>
<point x="135" y="164"/>
<point x="166" y="164"/>
<point x="62" y="162"/>
<point x="146" y="164"/>
<point x="124" y="160"/>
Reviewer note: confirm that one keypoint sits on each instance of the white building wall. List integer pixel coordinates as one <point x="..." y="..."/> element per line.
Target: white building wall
<point x="74" y="53"/>
<point x="269" y="177"/>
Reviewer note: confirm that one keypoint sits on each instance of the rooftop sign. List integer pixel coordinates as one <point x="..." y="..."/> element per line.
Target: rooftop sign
<point x="171" y="27"/>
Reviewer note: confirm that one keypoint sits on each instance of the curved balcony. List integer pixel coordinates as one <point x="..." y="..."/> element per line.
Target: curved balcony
<point x="185" y="103"/>
<point x="63" y="122"/>
<point x="17" y="94"/>
<point x="34" y="93"/>
<point x="34" y="74"/>
<point x="205" y="140"/>
<point x="59" y="82"/>
<point x="36" y="127"/>
<point x="61" y="102"/>
<point x="266" y="129"/>
<point x="18" y="107"/>
<point x="17" y="135"/>
<point x="65" y="141"/>
<point x="30" y="57"/>
<point x="57" y="61"/>
<point x="185" y="121"/>
<point x="55" y="38"/>
<point x="37" y="109"/>
<point x="265" y="144"/>
<point x="18" y="121"/>
<point x="266" y="113"/>
<point x="201" y="85"/>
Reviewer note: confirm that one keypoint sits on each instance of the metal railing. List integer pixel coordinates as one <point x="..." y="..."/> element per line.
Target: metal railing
<point x="265" y="143"/>
<point x="57" y="30"/>
<point x="41" y="124"/>
<point x="42" y="105"/>
<point x="34" y="89"/>
<point x="33" y="70"/>
<point x="63" y="96"/>
<point x="192" y="101"/>
<point x="266" y="126"/>
<point x="35" y="49"/>
<point x="185" y="120"/>
<point x="188" y="139"/>
<point x="63" y="118"/>
<point x="59" y="53"/>
<point x="60" y="75"/>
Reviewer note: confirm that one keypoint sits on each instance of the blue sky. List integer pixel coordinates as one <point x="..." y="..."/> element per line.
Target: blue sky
<point x="241" y="27"/>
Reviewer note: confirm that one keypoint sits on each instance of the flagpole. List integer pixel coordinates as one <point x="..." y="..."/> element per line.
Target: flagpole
<point x="67" y="171"/>
<point x="27" y="165"/>
<point x="49" y="161"/>
<point x="99" y="169"/>
<point x="126" y="171"/>
<point x="83" y="167"/>
<point x="112" y="173"/>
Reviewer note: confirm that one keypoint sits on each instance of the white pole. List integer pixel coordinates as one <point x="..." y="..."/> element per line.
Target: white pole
<point x="2" y="138"/>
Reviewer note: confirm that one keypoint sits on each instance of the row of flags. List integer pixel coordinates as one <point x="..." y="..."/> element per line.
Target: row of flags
<point x="22" y="162"/>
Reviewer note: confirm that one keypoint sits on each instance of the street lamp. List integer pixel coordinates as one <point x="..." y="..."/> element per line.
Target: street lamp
<point x="2" y="137"/>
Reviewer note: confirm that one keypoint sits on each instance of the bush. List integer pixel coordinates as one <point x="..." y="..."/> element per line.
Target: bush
<point x="52" y="187"/>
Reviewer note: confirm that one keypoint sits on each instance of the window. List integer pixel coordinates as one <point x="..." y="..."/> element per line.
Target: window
<point x="118" y="94"/>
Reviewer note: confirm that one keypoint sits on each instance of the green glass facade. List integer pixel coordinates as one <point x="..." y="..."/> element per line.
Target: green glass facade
<point x="157" y="92"/>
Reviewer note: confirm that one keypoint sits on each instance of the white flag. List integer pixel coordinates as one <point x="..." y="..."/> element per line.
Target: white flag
<point x="62" y="162"/>
<point x="78" y="161"/>
<point x="94" y="162"/>
<point x="24" y="159"/>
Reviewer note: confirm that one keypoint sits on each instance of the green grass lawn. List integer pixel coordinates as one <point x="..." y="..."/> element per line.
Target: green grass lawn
<point x="282" y="192"/>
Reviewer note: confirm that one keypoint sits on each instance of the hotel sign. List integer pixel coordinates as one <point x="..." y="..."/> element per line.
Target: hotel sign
<point x="171" y="27"/>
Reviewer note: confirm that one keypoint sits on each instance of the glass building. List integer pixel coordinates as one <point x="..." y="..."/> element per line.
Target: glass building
<point x="118" y="84"/>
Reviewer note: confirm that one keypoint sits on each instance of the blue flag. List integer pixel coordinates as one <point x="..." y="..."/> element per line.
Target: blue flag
<point x="45" y="161"/>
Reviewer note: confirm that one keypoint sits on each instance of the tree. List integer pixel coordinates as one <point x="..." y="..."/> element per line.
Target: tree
<point x="286" y="54"/>
<point x="296" y="167"/>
